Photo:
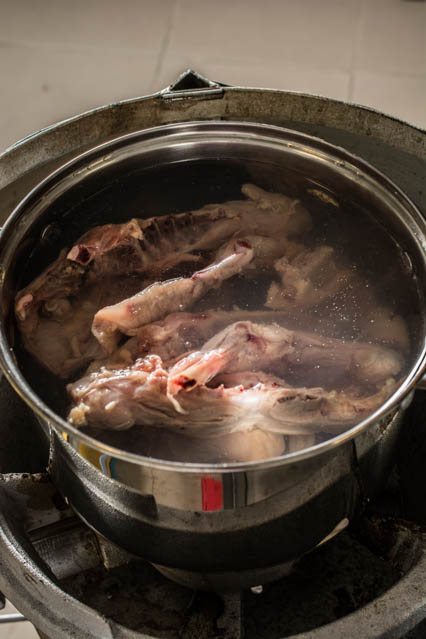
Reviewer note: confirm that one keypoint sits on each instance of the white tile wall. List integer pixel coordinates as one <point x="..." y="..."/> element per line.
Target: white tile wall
<point x="58" y="59"/>
<point x="402" y="95"/>
<point x="272" y="31"/>
<point x="392" y="38"/>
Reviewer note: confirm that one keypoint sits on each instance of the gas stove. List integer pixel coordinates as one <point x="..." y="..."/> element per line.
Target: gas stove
<point x="367" y="581"/>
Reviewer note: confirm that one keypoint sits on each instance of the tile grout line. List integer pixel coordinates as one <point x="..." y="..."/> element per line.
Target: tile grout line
<point x="355" y="47"/>
<point x="171" y="21"/>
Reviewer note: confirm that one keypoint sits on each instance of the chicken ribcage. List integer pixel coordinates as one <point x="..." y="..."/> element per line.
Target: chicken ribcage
<point x="118" y="399"/>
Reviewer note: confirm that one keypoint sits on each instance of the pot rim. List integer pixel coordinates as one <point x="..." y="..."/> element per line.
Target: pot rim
<point x="348" y="162"/>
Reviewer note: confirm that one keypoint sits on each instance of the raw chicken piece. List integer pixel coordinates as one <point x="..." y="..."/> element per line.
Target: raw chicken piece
<point x="309" y="278"/>
<point x="61" y="337"/>
<point x="248" y="346"/>
<point x="158" y="243"/>
<point x="241" y="346"/>
<point x="118" y="399"/>
<point x="110" y="399"/>
<point x="43" y="312"/>
<point x="67" y="274"/>
<point x="54" y="313"/>
<point x="162" y="298"/>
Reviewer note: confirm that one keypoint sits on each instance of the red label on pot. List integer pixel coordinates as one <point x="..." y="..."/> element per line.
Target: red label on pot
<point x="212" y="494"/>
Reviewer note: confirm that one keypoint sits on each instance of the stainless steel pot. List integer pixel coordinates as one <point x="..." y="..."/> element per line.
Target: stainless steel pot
<point x="213" y="525"/>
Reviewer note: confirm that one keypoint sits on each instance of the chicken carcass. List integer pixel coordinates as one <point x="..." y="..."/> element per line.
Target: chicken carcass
<point x="250" y="346"/>
<point x="55" y="311"/>
<point x="54" y="314"/>
<point x="161" y="298"/>
<point x="117" y="399"/>
<point x="156" y="244"/>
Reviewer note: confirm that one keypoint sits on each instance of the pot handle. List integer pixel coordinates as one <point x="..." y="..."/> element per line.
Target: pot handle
<point x="191" y="84"/>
